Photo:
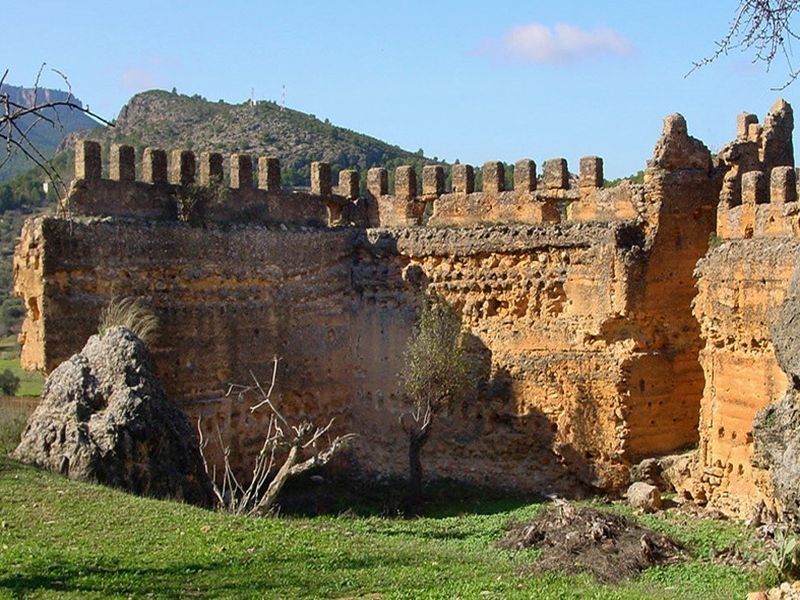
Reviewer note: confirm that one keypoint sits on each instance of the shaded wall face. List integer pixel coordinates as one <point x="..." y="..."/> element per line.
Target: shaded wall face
<point x="534" y="302"/>
<point x="227" y="303"/>
<point x="664" y="384"/>
<point x="742" y="282"/>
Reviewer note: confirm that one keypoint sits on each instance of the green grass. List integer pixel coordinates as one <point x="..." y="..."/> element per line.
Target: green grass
<point x="13" y="417"/>
<point x="30" y="383"/>
<point x="63" y="539"/>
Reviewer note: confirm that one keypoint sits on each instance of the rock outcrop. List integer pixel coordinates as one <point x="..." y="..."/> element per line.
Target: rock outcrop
<point x="104" y="417"/>
<point x="775" y="433"/>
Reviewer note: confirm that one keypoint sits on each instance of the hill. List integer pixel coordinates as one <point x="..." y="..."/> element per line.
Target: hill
<point x="263" y="128"/>
<point x="46" y="137"/>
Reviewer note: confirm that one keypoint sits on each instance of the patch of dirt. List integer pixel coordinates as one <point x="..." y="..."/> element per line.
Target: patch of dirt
<point x="610" y="547"/>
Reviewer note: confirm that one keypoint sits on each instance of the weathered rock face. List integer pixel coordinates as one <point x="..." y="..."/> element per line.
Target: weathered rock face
<point x="776" y="438"/>
<point x="785" y="332"/>
<point x="104" y="417"/>
<point x="740" y="285"/>
<point x="777" y="450"/>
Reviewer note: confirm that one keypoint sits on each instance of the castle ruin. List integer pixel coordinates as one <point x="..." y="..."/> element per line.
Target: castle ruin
<point x="603" y="326"/>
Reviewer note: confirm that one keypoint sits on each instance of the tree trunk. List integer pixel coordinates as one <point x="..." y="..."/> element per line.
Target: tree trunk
<point x="416" y="440"/>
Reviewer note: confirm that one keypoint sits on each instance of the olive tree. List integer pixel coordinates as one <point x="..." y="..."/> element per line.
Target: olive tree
<point x="435" y="373"/>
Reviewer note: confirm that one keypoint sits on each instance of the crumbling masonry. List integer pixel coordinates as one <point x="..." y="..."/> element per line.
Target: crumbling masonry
<point x="577" y="299"/>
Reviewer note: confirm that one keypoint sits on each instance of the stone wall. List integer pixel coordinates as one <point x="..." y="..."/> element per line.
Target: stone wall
<point x="577" y="310"/>
<point x="743" y="280"/>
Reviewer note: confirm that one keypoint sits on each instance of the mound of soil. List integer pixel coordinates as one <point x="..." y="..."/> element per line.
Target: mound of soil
<point x="610" y="547"/>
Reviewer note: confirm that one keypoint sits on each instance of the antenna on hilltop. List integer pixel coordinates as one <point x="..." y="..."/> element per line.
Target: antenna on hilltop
<point x="283" y="96"/>
<point x="252" y="96"/>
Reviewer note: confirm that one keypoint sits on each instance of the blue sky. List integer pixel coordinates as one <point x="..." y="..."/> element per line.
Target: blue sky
<point x="473" y="81"/>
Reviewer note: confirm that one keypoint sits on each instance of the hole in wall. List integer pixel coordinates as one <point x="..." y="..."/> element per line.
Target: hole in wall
<point x="33" y="308"/>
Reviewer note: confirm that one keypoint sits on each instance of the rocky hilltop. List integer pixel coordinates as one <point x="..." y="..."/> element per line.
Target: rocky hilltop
<point x="170" y="120"/>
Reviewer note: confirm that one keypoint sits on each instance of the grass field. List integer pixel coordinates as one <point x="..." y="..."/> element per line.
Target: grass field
<point x="30" y="383"/>
<point x="63" y="539"/>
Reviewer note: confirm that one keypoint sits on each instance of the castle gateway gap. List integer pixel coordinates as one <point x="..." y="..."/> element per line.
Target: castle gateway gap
<point x="581" y="303"/>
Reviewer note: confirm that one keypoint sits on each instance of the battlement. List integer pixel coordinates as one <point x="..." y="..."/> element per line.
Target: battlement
<point x="769" y="206"/>
<point x="759" y="192"/>
<point x="553" y="197"/>
<point x="180" y="185"/>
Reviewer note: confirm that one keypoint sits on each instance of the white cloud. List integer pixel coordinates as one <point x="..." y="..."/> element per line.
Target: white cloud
<point x="563" y="43"/>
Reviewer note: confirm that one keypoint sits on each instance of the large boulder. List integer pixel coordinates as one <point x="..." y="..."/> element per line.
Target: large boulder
<point x="776" y="435"/>
<point x="776" y="448"/>
<point x="104" y="417"/>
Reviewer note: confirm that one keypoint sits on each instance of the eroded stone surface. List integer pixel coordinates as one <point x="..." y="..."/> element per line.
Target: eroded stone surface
<point x="775" y="434"/>
<point x="643" y="496"/>
<point x="742" y="282"/>
<point x="104" y="418"/>
<point x="578" y="316"/>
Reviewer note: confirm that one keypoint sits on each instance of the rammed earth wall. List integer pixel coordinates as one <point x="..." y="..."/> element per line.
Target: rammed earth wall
<point x="578" y="311"/>
<point x="743" y="279"/>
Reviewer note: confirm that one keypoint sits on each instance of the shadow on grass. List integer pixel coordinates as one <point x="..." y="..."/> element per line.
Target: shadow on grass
<point x="441" y="499"/>
<point x="275" y="576"/>
<point x="170" y="582"/>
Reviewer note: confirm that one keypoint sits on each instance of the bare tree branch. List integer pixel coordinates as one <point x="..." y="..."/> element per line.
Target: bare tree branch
<point x="765" y="28"/>
<point x="17" y="122"/>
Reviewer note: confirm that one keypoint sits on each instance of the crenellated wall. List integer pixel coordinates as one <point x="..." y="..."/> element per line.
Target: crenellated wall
<point x="576" y="300"/>
<point x="742" y="281"/>
<point x="551" y="198"/>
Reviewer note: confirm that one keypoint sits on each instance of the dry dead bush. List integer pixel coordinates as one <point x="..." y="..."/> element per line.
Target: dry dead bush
<point x="288" y="450"/>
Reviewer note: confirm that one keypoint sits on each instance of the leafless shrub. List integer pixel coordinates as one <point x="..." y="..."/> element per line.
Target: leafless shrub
<point x="301" y="447"/>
